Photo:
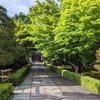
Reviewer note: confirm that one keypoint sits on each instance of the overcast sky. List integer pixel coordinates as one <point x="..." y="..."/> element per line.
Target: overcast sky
<point x="16" y="6"/>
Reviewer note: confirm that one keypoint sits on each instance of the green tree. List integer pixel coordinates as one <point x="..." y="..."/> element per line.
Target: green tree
<point x="21" y="17"/>
<point x="78" y="31"/>
<point x="23" y="37"/>
<point x="44" y="17"/>
<point x="9" y="50"/>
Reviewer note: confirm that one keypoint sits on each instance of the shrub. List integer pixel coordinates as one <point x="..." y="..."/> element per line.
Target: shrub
<point x="16" y="77"/>
<point x="5" y="91"/>
<point x="90" y="83"/>
<point x="72" y="76"/>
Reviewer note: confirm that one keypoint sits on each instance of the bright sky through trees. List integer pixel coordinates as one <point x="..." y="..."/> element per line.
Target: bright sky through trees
<point x="16" y="6"/>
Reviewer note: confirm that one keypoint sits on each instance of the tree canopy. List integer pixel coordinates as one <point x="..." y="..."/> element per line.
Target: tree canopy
<point x="67" y="32"/>
<point x="9" y="49"/>
<point x="22" y="35"/>
<point x="44" y="17"/>
<point x="78" y="30"/>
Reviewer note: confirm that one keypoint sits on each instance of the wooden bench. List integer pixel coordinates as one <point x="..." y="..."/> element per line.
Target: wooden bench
<point x="5" y="74"/>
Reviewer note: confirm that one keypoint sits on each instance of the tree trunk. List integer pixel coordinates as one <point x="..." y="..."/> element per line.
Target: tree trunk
<point x="78" y="69"/>
<point x="78" y="64"/>
<point x="75" y="63"/>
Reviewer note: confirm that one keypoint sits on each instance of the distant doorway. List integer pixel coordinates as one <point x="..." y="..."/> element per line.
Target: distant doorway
<point x="36" y="56"/>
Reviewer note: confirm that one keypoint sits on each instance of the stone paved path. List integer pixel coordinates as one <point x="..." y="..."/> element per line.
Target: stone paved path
<point x="43" y="84"/>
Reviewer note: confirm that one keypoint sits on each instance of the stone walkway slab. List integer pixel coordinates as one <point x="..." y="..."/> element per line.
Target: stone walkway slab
<point x="43" y="84"/>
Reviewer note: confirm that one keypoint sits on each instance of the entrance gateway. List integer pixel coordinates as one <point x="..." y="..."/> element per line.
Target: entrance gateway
<point x="36" y="56"/>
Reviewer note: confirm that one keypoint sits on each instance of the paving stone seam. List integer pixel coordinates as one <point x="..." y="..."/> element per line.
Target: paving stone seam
<point x="47" y="83"/>
<point x="57" y="89"/>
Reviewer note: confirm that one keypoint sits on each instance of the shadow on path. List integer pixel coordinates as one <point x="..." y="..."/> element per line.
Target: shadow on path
<point x="43" y="84"/>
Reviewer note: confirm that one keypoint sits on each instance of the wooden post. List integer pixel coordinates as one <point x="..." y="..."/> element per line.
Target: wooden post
<point x="5" y="74"/>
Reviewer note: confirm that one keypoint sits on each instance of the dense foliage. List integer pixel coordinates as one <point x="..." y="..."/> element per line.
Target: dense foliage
<point x="78" y="31"/>
<point x="9" y="49"/>
<point x="22" y="35"/>
<point x="21" y="17"/>
<point x="6" y="91"/>
<point x="67" y="32"/>
<point x="44" y="17"/>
